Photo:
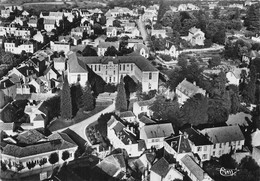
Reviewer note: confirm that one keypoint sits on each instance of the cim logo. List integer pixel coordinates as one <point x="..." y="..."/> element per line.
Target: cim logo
<point x="227" y="172"/>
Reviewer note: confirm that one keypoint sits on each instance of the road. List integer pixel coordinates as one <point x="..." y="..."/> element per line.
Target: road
<point x="80" y="128"/>
<point x="142" y="29"/>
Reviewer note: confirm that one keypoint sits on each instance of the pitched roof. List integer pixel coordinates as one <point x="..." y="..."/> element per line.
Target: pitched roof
<point x="49" y="21"/>
<point x="161" y="167"/>
<point x="196" y="137"/>
<point x="139" y="46"/>
<point x="26" y="70"/>
<point x="56" y="141"/>
<point x="122" y="133"/>
<point x="38" y="117"/>
<point x="193" y="167"/>
<point x="146" y="102"/>
<point x="157" y="130"/>
<point x="110" y="29"/>
<point x="113" y="165"/>
<point x="179" y="143"/>
<point x="224" y="134"/>
<point x="146" y="120"/>
<point x="75" y="65"/>
<point x="6" y="126"/>
<point x="238" y="119"/>
<point x="188" y="88"/>
<point x="32" y="21"/>
<point x="126" y="114"/>
<point x="56" y="14"/>
<point x="109" y="44"/>
<point x="5" y="83"/>
<point x="30" y="137"/>
<point x="142" y="63"/>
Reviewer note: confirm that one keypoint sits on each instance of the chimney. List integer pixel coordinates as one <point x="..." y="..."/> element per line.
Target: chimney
<point x="185" y="134"/>
<point x="194" y="83"/>
<point x="4" y="84"/>
<point x="27" y="71"/>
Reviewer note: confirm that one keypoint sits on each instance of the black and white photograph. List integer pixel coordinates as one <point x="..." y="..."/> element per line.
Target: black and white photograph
<point x="130" y="90"/>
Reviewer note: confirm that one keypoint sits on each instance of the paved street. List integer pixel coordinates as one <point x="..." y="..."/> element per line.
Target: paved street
<point x="80" y="128"/>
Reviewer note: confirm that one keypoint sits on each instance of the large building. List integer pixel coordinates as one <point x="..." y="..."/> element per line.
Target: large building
<point x="112" y="68"/>
<point x="32" y="147"/>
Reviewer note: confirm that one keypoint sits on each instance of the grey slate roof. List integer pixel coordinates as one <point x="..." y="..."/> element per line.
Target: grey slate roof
<point x="141" y="62"/>
<point x="158" y="130"/>
<point x="224" y="134"/>
<point x="75" y="65"/>
<point x="126" y="114"/>
<point x="194" y="168"/>
<point x="57" y="141"/>
<point x="196" y="137"/>
<point x="146" y="120"/>
<point x="188" y="88"/>
<point x="161" y="167"/>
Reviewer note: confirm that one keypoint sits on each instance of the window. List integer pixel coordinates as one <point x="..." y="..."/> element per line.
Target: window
<point x="238" y="143"/>
<point x="109" y="79"/>
<point x="220" y="145"/>
<point x="199" y="148"/>
<point x="204" y="156"/>
<point x="95" y="68"/>
<point x="213" y="153"/>
<point x="99" y="68"/>
<point x="149" y="86"/>
<point x="114" y="72"/>
<point x="123" y="67"/>
<point x="114" y="79"/>
<point x="205" y="148"/>
<point x="78" y="78"/>
<point x="219" y="152"/>
<point x="150" y="75"/>
<point x="131" y="67"/>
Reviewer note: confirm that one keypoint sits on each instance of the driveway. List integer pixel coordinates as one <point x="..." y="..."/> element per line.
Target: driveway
<point x="80" y="128"/>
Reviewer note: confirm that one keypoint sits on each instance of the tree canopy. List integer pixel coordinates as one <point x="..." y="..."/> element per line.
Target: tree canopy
<point x="65" y="100"/>
<point x="89" y="51"/>
<point x="121" y="101"/>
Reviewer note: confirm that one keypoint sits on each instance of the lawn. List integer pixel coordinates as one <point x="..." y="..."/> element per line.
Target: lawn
<point x="60" y="123"/>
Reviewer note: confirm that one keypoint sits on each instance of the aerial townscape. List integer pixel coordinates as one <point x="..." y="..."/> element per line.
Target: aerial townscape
<point x="130" y="90"/>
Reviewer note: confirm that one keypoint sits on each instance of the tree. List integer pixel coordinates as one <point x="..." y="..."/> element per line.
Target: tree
<point x="87" y="98"/>
<point x="214" y="61"/>
<point x="252" y="21"/>
<point x="248" y="170"/>
<point x="65" y="155"/>
<point x="176" y="24"/>
<point x="3" y="166"/>
<point x="163" y="7"/>
<point x="195" y="110"/>
<point x="168" y="19"/>
<point x="121" y="101"/>
<point x="164" y="109"/>
<point x="88" y="51"/>
<point x="248" y="94"/>
<point x="227" y="161"/>
<point x="65" y="102"/>
<point x="42" y="162"/>
<point x="235" y="102"/>
<point x="117" y="23"/>
<point x="216" y="13"/>
<point x="111" y="51"/>
<point x="97" y="29"/>
<point x="54" y="158"/>
<point x="31" y="164"/>
<point x="19" y="166"/>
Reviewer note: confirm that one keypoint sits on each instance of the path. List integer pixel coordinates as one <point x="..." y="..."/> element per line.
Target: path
<point x="80" y="127"/>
